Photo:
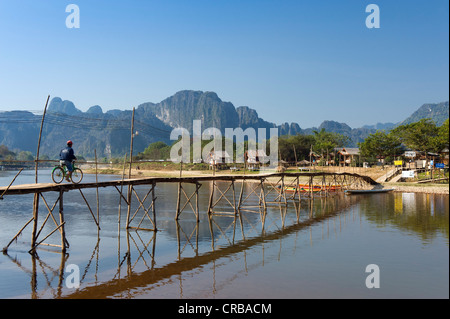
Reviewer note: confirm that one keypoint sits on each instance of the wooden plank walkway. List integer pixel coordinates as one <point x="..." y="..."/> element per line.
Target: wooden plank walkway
<point x="51" y="187"/>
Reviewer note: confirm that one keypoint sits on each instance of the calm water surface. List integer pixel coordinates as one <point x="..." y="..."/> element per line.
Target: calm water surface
<point x="319" y="250"/>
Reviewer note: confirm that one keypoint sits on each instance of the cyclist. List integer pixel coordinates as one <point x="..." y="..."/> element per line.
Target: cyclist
<point x="66" y="156"/>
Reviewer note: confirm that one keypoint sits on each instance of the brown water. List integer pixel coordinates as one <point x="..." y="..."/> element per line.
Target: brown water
<point x="318" y="251"/>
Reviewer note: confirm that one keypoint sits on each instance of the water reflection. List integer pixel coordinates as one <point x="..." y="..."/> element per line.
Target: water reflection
<point x="198" y="244"/>
<point x="423" y="215"/>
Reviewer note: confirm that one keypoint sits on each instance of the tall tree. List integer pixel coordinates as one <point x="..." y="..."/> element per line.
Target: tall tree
<point x="301" y="144"/>
<point x="442" y="139"/>
<point x="325" y="142"/>
<point x="420" y="136"/>
<point x="380" y="144"/>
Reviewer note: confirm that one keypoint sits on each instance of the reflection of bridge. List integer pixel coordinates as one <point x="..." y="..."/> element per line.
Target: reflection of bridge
<point x="278" y="188"/>
<point x="140" y="249"/>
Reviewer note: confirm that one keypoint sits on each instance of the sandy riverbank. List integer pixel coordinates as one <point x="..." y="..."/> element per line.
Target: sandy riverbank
<point x="418" y="188"/>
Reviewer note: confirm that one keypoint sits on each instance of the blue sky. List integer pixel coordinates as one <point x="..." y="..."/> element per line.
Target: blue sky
<point x="292" y="61"/>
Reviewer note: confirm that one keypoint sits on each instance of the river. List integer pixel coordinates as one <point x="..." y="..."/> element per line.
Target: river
<point x="320" y="250"/>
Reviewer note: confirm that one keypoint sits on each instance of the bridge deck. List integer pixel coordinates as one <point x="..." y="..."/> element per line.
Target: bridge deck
<point x="50" y="187"/>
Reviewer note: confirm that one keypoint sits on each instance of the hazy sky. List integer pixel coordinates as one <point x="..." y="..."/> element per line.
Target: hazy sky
<point x="292" y="61"/>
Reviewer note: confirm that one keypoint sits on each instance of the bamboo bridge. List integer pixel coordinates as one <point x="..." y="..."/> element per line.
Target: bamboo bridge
<point x="267" y="189"/>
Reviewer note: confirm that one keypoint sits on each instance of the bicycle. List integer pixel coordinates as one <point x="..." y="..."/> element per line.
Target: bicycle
<point x="60" y="172"/>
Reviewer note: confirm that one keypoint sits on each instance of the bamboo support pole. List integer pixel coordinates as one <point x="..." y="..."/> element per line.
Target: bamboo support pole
<point x="234" y="199"/>
<point x="63" y="248"/>
<point x="39" y="141"/>
<point x="153" y="205"/>
<point x="130" y="187"/>
<point x="263" y="194"/>
<point x="96" y="181"/>
<point x="241" y="193"/>
<point x="177" y="212"/>
<point x="5" y="249"/>
<point x="50" y="213"/>
<point x="62" y="222"/>
<point x="189" y="201"/>
<point x="131" y="144"/>
<point x="211" y="195"/>
<point x="197" y="187"/>
<point x="141" y="204"/>
<point x="4" y="192"/>
<point x="121" y="192"/>
<point x="283" y="190"/>
<point x="90" y="210"/>
<point x="35" y="219"/>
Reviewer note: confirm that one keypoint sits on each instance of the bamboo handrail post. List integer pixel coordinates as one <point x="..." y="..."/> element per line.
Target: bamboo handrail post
<point x="96" y="181"/>
<point x="153" y="204"/>
<point x="234" y="198"/>
<point x="39" y="141"/>
<point x="62" y="222"/>
<point x="121" y="190"/>
<point x="35" y="219"/>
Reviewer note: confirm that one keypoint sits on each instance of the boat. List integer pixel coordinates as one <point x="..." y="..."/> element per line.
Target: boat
<point x="304" y="188"/>
<point x="369" y="191"/>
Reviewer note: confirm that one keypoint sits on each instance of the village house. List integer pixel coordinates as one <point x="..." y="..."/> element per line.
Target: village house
<point x="218" y="159"/>
<point x="346" y="156"/>
<point x="315" y="157"/>
<point x="418" y="159"/>
<point x="254" y="159"/>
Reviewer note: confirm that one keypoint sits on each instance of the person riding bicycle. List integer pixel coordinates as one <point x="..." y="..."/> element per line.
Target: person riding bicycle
<point x="66" y="157"/>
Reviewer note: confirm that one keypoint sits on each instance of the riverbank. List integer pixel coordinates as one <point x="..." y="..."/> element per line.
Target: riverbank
<point x="419" y="188"/>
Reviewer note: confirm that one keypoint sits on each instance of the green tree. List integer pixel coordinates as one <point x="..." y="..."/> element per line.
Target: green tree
<point x="155" y="151"/>
<point x="421" y="136"/>
<point x="380" y="145"/>
<point x="325" y="142"/>
<point x="301" y="144"/>
<point x="442" y="139"/>
<point x="25" y="156"/>
<point x="5" y="153"/>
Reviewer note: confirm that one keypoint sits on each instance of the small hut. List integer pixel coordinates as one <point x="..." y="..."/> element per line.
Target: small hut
<point x="218" y="159"/>
<point x="347" y="155"/>
<point x="254" y="159"/>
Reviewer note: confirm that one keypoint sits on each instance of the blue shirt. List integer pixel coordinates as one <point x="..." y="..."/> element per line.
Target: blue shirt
<point x="67" y="154"/>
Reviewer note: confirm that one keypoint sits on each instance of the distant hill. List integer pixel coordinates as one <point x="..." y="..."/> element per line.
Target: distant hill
<point x="181" y="109"/>
<point x="437" y="112"/>
<point x="109" y="132"/>
<point x="381" y="126"/>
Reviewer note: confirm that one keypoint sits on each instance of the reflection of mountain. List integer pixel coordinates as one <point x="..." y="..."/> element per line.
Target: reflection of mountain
<point x="425" y="215"/>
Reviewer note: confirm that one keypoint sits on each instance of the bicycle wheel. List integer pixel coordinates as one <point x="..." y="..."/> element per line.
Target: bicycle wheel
<point x="77" y="176"/>
<point x="57" y="175"/>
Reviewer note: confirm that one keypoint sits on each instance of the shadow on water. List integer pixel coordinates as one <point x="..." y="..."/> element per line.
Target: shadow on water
<point x="134" y="280"/>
